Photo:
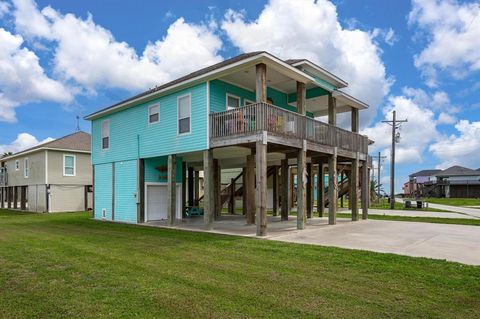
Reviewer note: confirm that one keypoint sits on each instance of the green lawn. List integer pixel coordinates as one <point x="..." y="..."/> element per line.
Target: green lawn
<point x="67" y="266"/>
<point x="454" y="201"/>
<point x="436" y="220"/>
<point x="383" y="203"/>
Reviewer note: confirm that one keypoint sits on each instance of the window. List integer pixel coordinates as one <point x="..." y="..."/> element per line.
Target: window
<point x="17" y="165"/>
<point x="25" y="168"/>
<point x="153" y="113"/>
<point x="105" y="134"/>
<point x="232" y="102"/>
<point x="69" y="165"/>
<point x="184" y="114"/>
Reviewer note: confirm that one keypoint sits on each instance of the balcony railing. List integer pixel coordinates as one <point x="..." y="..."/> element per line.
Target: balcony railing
<point x="266" y="117"/>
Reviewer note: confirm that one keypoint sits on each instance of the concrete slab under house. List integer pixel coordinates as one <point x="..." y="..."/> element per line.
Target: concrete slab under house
<point x="241" y="136"/>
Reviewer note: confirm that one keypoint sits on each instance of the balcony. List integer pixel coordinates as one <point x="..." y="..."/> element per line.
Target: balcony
<point x="259" y="117"/>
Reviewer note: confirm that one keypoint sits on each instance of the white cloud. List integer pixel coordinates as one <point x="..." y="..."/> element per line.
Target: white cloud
<point x="452" y="31"/>
<point x="22" y="142"/>
<point x="444" y="118"/>
<point x="461" y="149"/>
<point x="310" y="29"/>
<point x="437" y="101"/>
<point x="89" y="55"/>
<point x="415" y="135"/>
<point x="22" y="79"/>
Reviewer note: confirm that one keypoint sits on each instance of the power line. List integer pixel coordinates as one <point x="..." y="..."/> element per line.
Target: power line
<point x="395" y="124"/>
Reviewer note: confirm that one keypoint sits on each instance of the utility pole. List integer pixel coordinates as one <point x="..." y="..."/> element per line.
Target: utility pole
<point x="379" y="165"/>
<point x="395" y="139"/>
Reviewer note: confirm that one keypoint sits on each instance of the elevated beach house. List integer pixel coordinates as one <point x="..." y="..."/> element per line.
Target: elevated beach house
<point x="52" y="177"/>
<point x="254" y="112"/>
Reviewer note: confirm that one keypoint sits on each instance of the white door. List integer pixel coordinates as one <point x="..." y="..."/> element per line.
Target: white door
<point x="157" y="202"/>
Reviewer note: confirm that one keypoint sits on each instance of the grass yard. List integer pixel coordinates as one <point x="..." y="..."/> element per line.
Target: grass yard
<point x="68" y="266"/>
<point x="454" y="201"/>
<point x="436" y="220"/>
<point x="384" y="204"/>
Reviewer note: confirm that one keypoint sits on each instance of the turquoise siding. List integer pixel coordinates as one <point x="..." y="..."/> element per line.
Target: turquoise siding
<point x="219" y="90"/>
<point x="103" y="190"/>
<point x="126" y="191"/>
<point x="152" y="174"/>
<point x="131" y="136"/>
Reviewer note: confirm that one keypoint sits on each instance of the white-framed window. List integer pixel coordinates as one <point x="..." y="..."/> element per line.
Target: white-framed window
<point x="106" y="135"/>
<point x="17" y="165"/>
<point x="69" y="165"/>
<point x="184" y="112"/>
<point x="25" y="167"/>
<point x="154" y="113"/>
<point x="248" y="102"/>
<point x="232" y="101"/>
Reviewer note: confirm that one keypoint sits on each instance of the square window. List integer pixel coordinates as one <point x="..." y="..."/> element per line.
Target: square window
<point x="69" y="165"/>
<point x="105" y="134"/>
<point x="184" y="125"/>
<point x="232" y="102"/>
<point x="184" y="114"/>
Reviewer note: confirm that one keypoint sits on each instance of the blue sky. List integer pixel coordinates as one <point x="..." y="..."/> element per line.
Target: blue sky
<point x="66" y="58"/>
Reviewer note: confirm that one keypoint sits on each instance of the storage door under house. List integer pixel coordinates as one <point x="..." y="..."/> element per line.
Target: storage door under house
<point x="156" y="201"/>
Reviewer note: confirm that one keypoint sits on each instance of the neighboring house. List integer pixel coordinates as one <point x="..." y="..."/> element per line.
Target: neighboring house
<point x="52" y="177"/>
<point x="454" y="182"/>
<point x="459" y="182"/>
<point x="253" y="110"/>
<point x="418" y="181"/>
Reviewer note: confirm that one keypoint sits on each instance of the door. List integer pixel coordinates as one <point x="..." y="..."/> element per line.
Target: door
<point x="156" y="202"/>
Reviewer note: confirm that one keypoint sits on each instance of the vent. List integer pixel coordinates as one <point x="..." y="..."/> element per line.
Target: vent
<point x="104" y="213"/>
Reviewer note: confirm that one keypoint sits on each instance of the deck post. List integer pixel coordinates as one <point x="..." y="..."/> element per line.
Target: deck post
<point x="231" y="202"/>
<point x="9" y="197"/>
<point x="1" y="197"/>
<point x="261" y="181"/>
<point x="332" y="188"/>
<point x="291" y="188"/>
<point x="320" y="189"/>
<point x="275" y="191"/>
<point x="217" y="189"/>
<point x="208" y="197"/>
<point x="285" y="189"/>
<point x="184" y="189"/>
<point x="355" y="120"/>
<point x="171" y="189"/>
<point x="15" y="197"/>
<point x="365" y="189"/>
<point x="342" y="177"/>
<point x="309" y="190"/>
<point x="261" y="83"/>
<point x="244" y="192"/>
<point x="190" y="188"/>
<point x="354" y="188"/>
<point x="23" y="198"/>
<point x="332" y="111"/>
<point x="250" y="189"/>
<point x="301" y="186"/>
<point x="196" y="187"/>
<point x="349" y="191"/>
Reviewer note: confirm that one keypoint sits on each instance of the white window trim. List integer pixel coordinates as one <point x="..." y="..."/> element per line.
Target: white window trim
<point x="17" y="165"/>
<point x="148" y="117"/>
<point x="74" y="165"/>
<point x="26" y="168"/>
<point x="189" y="95"/>
<point x="232" y="96"/>
<point x="247" y="100"/>
<point x="101" y="135"/>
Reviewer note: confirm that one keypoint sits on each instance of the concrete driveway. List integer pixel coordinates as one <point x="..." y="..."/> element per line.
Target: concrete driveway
<point x="441" y="241"/>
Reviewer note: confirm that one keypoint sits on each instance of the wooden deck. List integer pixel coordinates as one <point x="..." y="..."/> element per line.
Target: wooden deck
<point x="248" y="124"/>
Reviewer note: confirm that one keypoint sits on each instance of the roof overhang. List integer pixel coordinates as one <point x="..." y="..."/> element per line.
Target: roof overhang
<point x="320" y="72"/>
<point x="263" y="57"/>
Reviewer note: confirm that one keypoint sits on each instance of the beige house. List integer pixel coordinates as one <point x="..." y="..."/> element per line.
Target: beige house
<point x="52" y="177"/>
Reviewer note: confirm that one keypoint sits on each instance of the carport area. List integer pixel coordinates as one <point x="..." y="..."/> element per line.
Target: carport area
<point x="440" y="241"/>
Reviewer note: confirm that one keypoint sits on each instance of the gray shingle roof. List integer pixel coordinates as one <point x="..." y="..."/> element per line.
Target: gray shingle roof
<point x="78" y="141"/>
<point x="426" y="172"/>
<point x="458" y="171"/>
